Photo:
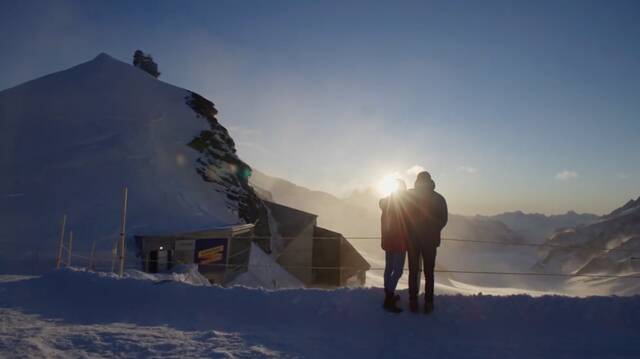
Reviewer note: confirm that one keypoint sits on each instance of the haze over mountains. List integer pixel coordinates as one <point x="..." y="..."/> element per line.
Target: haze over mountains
<point x="358" y="216"/>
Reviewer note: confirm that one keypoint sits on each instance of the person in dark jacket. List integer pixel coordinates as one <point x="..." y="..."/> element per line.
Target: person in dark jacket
<point x="427" y="216"/>
<point x="394" y="243"/>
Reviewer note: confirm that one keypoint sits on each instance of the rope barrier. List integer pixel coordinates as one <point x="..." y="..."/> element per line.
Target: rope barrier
<point x="233" y="266"/>
<point x="523" y="244"/>
<point x="452" y="271"/>
<point x="460" y="240"/>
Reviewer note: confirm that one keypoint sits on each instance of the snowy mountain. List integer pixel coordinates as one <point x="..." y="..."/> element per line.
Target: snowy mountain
<point x="629" y="207"/>
<point x="71" y="140"/>
<point x="536" y="227"/>
<point x="607" y="246"/>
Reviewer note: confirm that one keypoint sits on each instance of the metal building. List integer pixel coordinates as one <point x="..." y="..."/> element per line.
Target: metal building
<point x="221" y="253"/>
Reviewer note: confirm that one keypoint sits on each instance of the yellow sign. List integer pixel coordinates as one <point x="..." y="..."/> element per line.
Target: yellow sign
<point x="211" y="255"/>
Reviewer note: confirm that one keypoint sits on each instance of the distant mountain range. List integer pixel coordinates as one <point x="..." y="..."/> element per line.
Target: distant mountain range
<point x="536" y="227"/>
<point x="358" y="214"/>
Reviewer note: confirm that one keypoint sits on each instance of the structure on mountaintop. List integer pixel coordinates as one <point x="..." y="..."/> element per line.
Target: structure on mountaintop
<point x="145" y="62"/>
<point x="315" y="256"/>
<point x="221" y="253"/>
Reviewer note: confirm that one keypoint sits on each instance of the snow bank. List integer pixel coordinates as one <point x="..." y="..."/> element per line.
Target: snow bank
<point x="172" y="319"/>
<point x="187" y="274"/>
<point x="265" y="272"/>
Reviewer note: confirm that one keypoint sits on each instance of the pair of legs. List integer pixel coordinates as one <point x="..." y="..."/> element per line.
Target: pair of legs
<point x="419" y="251"/>
<point x="393" y="268"/>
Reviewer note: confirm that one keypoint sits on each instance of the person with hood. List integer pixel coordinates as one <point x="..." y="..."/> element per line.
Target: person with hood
<point x="427" y="216"/>
<point x="394" y="243"/>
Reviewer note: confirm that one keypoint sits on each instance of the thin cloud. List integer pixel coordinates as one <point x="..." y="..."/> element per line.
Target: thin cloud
<point x="566" y="175"/>
<point x="467" y="169"/>
<point x="623" y="176"/>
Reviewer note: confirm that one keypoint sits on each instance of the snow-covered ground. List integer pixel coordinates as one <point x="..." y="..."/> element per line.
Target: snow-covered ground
<point x="265" y="272"/>
<point x="73" y="313"/>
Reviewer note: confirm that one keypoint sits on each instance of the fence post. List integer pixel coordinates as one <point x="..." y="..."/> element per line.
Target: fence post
<point x="123" y="222"/>
<point x="93" y="251"/>
<point x="61" y="243"/>
<point x="114" y="252"/>
<point x="340" y="264"/>
<point x="70" y="248"/>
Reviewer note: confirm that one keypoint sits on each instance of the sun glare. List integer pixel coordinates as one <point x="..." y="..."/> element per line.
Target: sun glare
<point x="388" y="185"/>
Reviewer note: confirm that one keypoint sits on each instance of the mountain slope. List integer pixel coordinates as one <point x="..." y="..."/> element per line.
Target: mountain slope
<point x="333" y="212"/>
<point x="70" y="141"/>
<point x="618" y="233"/>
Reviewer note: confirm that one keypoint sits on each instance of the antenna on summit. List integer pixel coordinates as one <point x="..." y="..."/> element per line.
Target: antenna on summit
<point x="145" y="63"/>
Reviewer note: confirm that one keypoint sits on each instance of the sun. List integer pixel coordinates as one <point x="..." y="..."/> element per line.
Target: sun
<point x="388" y="184"/>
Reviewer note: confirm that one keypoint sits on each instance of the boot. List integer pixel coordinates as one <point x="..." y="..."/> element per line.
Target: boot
<point x="413" y="305"/>
<point x="428" y="307"/>
<point x="390" y="303"/>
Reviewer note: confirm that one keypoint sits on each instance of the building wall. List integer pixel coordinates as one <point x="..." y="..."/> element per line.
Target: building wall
<point x="299" y="254"/>
<point x="326" y="253"/>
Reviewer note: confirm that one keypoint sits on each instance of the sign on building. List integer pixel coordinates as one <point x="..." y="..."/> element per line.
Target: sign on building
<point x="211" y="254"/>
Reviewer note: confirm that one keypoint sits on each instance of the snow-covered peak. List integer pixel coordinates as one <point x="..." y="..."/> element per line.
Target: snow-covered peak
<point x="103" y="56"/>
<point x="629" y="207"/>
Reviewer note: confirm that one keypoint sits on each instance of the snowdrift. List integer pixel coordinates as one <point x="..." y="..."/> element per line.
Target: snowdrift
<point x="343" y="323"/>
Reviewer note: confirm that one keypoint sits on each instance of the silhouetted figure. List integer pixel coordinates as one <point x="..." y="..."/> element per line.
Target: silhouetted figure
<point x="427" y="216"/>
<point x="145" y="63"/>
<point x="394" y="243"/>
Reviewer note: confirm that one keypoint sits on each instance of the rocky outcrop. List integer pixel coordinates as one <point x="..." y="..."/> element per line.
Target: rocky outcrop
<point x="219" y="164"/>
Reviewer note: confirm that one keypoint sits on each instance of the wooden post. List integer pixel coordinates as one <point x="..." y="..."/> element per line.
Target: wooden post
<point x="114" y="252"/>
<point x="93" y="251"/>
<point x="70" y="247"/>
<point x="340" y="260"/>
<point x="36" y="260"/>
<point x="123" y="222"/>
<point x="61" y="243"/>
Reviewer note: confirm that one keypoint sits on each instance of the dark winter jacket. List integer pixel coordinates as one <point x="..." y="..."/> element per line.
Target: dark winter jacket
<point x="427" y="215"/>
<point x="393" y="222"/>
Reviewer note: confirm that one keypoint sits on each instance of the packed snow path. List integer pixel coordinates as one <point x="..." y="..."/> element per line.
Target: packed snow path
<point x="78" y="314"/>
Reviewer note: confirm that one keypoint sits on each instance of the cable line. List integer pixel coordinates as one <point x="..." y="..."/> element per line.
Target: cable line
<point x="452" y="271"/>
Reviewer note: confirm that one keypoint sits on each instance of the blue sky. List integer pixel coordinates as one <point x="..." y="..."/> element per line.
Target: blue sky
<point x="511" y="105"/>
